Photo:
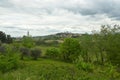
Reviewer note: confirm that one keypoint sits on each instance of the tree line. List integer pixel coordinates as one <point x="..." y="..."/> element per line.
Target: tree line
<point x="99" y="47"/>
<point x="4" y="38"/>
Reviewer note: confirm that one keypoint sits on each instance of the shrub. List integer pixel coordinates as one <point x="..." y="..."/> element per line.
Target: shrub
<point x="6" y="49"/>
<point x="9" y="62"/>
<point x="24" y="52"/>
<point x="28" y="42"/>
<point x="80" y="64"/>
<point x="35" y="53"/>
<point x="40" y="42"/>
<point x="16" y="46"/>
<point x="70" y="49"/>
<point x="53" y="53"/>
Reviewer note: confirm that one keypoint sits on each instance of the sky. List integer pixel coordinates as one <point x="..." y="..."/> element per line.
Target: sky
<point x="44" y="17"/>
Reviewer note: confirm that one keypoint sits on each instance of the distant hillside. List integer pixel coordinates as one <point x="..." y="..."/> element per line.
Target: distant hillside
<point x="59" y="36"/>
<point x="56" y="36"/>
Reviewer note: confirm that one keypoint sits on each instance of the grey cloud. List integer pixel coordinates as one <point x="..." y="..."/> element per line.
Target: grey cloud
<point x="47" y="16"/>
<point x="109" y="7"/>
<point x="14" y="28"/>
<point x="11" y="27"/>
<point x="92" y="7"/>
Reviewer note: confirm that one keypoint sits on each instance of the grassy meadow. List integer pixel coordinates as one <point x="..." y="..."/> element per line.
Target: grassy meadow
<point x="46" y="69"/>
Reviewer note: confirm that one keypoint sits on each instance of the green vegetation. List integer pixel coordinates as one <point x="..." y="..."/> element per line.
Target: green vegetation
<point x="53" y="53"/>
<point x="5" y="38"/>
<point x="9" y="60"/>
<point x="70" y="49"/>
<point x="45" y="69"/>
<point x="35" y="53"/>
<point x="27" y="42"/>
<point x="93" y="56"/>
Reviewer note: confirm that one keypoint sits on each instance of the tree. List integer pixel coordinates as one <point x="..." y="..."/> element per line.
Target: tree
<point x="107" y="42"/>
<point x="2" y="37"/>
<point x="5" y="38"/>
<point x="86" y="45"/>
<point x="70" y="49"/>
<point x="113" y="44"/>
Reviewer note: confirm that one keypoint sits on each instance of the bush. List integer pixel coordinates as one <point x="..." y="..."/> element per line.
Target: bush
<point x="16" y="46"/>
<point x="70" y="49"/>
<point x="40" y="42"/>
<point x="9" y="62"/>
<point x="53" y="53"/>
<point x="35" y="53"/>
<point x="24" y="52"/>
<point x="28" y="42"/>
<point x="80" y="64"/>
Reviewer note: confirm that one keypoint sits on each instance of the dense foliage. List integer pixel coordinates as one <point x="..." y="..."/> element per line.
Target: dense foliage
<point x="53" y="53"/>
<point x="28" y="42"/>
<point x="9" y="60"/>
<point x="5" y="38"/>
<point x="70" y="49"/>
<point x="107" y="43"/>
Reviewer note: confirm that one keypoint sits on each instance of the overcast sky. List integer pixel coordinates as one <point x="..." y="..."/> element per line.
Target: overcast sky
<point x="42" y="17"/>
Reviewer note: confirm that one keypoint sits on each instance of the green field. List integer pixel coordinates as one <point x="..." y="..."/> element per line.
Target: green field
<point x="46" y="69"/>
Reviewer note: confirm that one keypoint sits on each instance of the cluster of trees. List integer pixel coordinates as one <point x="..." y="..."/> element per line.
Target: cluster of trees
<point x="100" y="47"/>
<point x="4" y="38"/>
<point x="103" y="46"/>
<point x="107" y="44"/>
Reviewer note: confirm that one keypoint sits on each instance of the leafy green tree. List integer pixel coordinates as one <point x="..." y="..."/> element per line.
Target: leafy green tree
<point x="86" y="45"/>
<point x="5" y="38"/>
<point x="28" y="42"/>
<point x="113" y="44"/>
<point x="70" y="49"/>
<point x="95" y="47"/>
<point x="107" y="43"/>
